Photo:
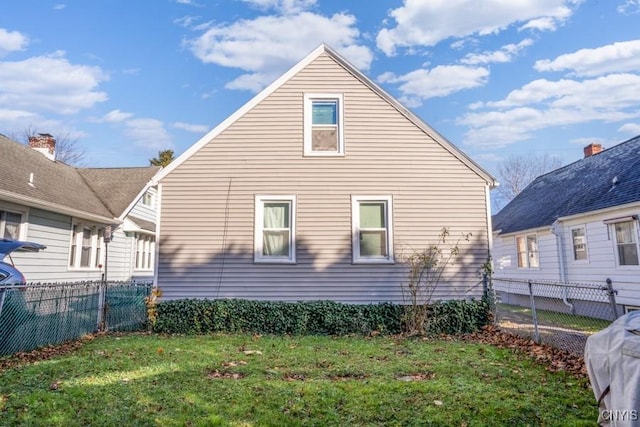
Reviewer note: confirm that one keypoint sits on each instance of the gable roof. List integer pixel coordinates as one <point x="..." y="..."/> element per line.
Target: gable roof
<point x="118" y="187"/>
<point x="320" y="50"/>
<point x="29" y="178"/>
<point x="604" y="180"/>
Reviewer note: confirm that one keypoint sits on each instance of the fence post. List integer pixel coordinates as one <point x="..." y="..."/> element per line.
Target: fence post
<point x="102" y="306"/>
<point x="612" y="298"/>
<point x="2" y="290"/>
<point x="534" y="316"/>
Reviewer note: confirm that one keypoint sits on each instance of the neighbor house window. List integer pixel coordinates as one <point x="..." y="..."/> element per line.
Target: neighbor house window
<point x="275" y="229"/>
<point x="527" y="249"/>
<point x="10" y="225"/>
<point x="147" y="199"/>
<point x="626" y="242"/>
<point x="86" y="247"/>
<point x="372" y="229"/>
<point x="145" y="249"/>
<point x="323" y="125"/>
<point x="579" y="239"/>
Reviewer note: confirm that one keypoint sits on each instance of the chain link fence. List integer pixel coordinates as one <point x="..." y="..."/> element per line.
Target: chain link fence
<point x="36" y="315"/>
<point x="562" y="315"/>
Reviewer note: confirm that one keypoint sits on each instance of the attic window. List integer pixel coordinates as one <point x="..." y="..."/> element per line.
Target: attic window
<point x="323" y="125"/>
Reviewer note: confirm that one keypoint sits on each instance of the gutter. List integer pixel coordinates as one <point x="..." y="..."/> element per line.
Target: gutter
<point x="556" y="230"/>
<point x="54" y="207"/>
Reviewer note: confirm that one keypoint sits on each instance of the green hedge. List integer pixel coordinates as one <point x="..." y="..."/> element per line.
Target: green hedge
<point x="196" y="316"/>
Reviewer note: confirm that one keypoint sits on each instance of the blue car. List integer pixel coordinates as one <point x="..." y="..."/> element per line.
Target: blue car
<point x="9" y="274"/>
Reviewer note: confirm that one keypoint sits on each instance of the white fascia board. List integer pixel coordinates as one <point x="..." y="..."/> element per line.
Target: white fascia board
<point x="600" y="211"/>
<point x="446" y="144"/>
<point x="239" y="113"/>
<point x="527" y="231"/>
<point x="54" y="207"/>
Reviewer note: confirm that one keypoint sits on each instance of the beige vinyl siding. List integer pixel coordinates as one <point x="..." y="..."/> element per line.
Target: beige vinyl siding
<point x="207" y="215"/>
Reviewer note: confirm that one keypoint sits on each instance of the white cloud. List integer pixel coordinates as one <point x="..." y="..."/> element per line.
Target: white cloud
<point x="148" y="133"/>
<point x="541" y="24"/>
<point x="439" y="81"/>
<point x="116" y="116"/>
<point x="190" y="127"/>
<point x="59" y="6"/>
<point x="189" y="2"/>
<point x="629" y="7"/>
<point x="544" y="104"/>
<point x="50" y="83"/>
<point x="268" y="45"/>
<point x="11" y="41"/>
<point x="630" y="128"/>
<point x="283" y="6"/>
<point x="614" y="58"/>
<point x="427" y="22"/>
<point x="187" y="21"/>
<point x="504" y="54"/>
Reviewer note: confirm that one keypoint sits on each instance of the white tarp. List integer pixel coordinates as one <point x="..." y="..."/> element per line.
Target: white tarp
<point x="612" y="357"/>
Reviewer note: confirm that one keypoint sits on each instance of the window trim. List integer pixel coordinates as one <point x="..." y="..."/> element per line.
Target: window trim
<point x="528" y="257"/>
<point x="355" y="230"/>
<point x="22" y="228"/>
<point x="96" y="251"/>
<point x="258" y="242"/>
<point x="573" y="245"/>
<point x="635" y="233"/>
<point x="148" y="242"/>
<point x="309" y="98"/>
<point x="148" y="199"/>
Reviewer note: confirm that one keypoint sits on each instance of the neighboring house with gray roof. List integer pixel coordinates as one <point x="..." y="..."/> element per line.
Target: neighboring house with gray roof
<point x="71" y="209"/>
<point x="578" y="223"/>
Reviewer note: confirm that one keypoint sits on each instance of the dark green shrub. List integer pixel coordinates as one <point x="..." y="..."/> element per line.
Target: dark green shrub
<point x="196" y="316"/>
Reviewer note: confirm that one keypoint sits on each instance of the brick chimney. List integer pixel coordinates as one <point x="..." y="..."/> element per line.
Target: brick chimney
<point x="592" y="149"/>
<point x="44" y="143"/>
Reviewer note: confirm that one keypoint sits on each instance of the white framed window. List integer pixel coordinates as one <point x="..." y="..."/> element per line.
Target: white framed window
<point x="145" y="250"/>
<point x="626" y="242"/>
<point x="579" y="243"/>
<point x="148" y="199"/>
<point x="86" y="248"/>
<point x="372" y="229"/>
<point x="323" y="124"/>
<point x="12" y="224"/>
<point x="275" y="229"/>
<point x="527" y="250"/>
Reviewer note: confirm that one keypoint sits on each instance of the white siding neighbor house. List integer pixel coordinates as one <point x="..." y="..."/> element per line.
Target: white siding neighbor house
<point x="70" y="210"/>
<point x="577" y="224"/>
<point x="315" y="189"/>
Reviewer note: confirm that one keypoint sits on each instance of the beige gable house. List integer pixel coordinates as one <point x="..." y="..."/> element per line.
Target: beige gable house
<point x="315" y="189"/>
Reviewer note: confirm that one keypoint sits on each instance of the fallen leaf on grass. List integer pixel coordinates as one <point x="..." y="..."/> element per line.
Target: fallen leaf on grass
<point x="438" y="402"/>
<point x="250" y="352"/>
<point x="226" y="375"/>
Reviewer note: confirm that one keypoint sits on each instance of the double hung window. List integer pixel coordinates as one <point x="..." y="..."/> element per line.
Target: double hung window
<point x="275" y="229"/>
<point x="86" y="247"/>
<point x="527" y="249"/>
<point x="372" y="229"/>
<point x="323" y="125"/>
<point x="626" y="243"/>
<point x="10" y="225"/>
<point x="579" y="240"/>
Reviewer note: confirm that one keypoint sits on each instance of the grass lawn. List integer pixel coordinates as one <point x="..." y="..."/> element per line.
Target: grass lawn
<point x="239" y="380"/>
<point x="569" y="321"/>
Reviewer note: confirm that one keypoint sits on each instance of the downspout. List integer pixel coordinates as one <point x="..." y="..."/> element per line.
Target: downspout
<point x="556" y="229"/>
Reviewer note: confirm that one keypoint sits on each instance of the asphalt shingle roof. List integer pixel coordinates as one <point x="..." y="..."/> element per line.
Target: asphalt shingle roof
<point x="609" y="178"/>
<point x="103" y="192"/>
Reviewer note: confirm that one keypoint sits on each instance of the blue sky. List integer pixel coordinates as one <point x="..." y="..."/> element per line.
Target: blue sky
<point x="129" y="78"/>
